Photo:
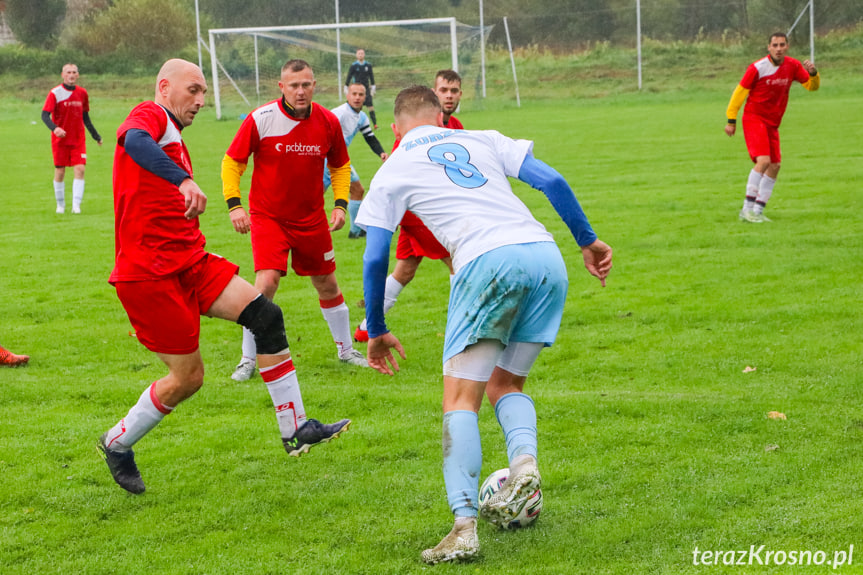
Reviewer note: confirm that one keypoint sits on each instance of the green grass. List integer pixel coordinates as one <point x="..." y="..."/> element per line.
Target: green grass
<point x="652" y="439"/>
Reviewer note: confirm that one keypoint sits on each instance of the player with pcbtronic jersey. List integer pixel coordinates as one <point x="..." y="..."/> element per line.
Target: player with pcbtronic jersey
<point x="506" y="300"/>
<point x="66" y="112"/>
<point x="765" y="87"/>
<point x="354" y="121"/>
<point x="290" y="138"/>
<point x="166" y="280"/>
<point x="415" y="241"/>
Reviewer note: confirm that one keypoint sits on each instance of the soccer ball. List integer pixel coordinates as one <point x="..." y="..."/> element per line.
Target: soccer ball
<point x="528" y="514"/>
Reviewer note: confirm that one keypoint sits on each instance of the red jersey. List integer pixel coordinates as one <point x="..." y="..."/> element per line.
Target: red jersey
<point x="453" y="123"/>
<point x="153" y="238"/>
<point x="768" y="86"/>
<point x="67" y="109"/>
<point x="288" y="176"/>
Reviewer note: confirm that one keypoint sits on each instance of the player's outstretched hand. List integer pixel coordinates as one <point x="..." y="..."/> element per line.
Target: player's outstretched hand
<point x="730" y="129"/>
<point x="337" y="220"/>
<point x="240" y="220"/>
<point x="380" y="352"/>
<point x="597" y="259"/>
<point x="196" y="200"/>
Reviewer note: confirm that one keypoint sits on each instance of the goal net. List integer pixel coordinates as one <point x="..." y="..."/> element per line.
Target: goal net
<point x="247" y="62"/>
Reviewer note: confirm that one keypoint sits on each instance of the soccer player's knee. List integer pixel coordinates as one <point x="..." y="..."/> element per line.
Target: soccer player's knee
<point x="264" y="319"/>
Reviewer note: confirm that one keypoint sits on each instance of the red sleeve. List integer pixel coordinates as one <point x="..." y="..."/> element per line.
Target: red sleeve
<point x="50" y="103"/>
<point x="749" y="77"/>
<point x="801" y="75"/>
<point x="245" y="141"/>
<point x="148" y="117"/>
<point x="85" y="100"/>
<point x="338" y="153"/>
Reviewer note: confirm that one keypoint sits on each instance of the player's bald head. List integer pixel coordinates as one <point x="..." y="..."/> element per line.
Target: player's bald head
<point x="175" y="68"/>
<point x="180" y="87"/>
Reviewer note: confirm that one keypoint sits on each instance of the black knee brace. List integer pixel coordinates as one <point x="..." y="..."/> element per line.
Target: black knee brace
<point x="264" y="320"/>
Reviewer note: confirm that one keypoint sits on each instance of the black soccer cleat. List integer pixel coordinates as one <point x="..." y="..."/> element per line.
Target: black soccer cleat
<point x="312" y="433"/>
<point x="122" y="467"/>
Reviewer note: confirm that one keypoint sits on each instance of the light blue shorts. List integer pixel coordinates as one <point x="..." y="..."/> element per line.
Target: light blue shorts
<point x="512" y="293"/>
<point x="354" y="176"/>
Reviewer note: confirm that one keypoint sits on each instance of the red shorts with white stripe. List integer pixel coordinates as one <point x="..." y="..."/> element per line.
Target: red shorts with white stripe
<point x="310" y="249"/>
<point x="166" y="313"/>
<point x="65" y="156"/>
<point x="761" y="139"/>
<point x="415" y="239"/>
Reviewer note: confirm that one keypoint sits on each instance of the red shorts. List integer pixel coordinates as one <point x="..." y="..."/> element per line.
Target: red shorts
<point x="416" y="240"/>
<point x="310" y="248"/>
<point x="761" y="139"/>
<point x="166" y="313"/>
<point x="65" y="156"/>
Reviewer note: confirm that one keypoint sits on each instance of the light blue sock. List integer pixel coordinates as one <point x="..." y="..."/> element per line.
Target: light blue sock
<point x="517" y="417"/>
<point x="353" y="210"/>
<point x="462" y="461"/>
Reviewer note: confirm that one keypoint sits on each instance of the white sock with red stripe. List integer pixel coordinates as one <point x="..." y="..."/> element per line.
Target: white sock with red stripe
<point x="144" y="416"/>
<point x="250" y="348"/>
<point x="339" y="319"/>
<point x="752" y="185"/>
<point x="284" y="388"/>
<point x="765" y="190"/>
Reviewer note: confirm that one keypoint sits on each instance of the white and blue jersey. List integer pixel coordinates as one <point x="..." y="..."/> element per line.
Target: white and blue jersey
<point x="354" y="122"/>
<point x="455" y="181"/>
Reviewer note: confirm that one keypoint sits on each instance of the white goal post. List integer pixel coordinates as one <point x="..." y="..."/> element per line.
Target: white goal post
<point x="316" y="37"/>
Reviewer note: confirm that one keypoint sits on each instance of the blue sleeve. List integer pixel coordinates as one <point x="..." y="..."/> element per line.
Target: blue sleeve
<point x="375" y="267"/>
<point x="142" y="148"/>
<point x="546" y="179"/>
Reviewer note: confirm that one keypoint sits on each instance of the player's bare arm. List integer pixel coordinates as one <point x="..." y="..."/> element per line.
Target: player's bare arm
<point x="730" y="129"/>
<point x="240" y="220"/>
<point x="196" y="200"/>
<point x="337" y="219"/>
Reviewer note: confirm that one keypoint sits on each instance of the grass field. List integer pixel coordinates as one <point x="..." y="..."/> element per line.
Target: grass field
<point x="653" y="440"/>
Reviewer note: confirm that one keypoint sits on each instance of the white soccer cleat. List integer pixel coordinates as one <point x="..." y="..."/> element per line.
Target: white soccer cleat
<point x="751" y="217"/>
<point x="505" y="505"/>
<point x="461" y="543"/>
<point x="354" y="357"/>
<point x="76" y="209"/>
<point x="61" y="209"/>
<point x="245" y="370"/>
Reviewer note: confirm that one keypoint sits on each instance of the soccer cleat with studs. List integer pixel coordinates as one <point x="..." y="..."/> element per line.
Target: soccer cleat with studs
<point x="9" y="359"/>
<point x="460" y="544"/>
<point x="356" y="235"/>
<point x="244" y="370"/>
<point x="354" y="358"/>
<point x="122" y="467"/>
<point x="361" y="335"/>
<point x="312" y="433"/>
<point x="505" y="505"/>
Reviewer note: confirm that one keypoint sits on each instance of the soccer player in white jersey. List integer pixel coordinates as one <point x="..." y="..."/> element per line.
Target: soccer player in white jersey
<point x="506" y="300"/>
<point x="354" y="121"/>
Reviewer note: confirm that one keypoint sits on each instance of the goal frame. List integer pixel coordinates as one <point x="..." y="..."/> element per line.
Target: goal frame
<point x="215" y="64"/>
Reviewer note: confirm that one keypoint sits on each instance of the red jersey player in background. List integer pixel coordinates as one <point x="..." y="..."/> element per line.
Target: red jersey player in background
<point x="290" y="138"/>
<point x="765" y="87"/>
<point x="415" y="240"/>
<point x="66" y="112"/>
<point x="166" y="280"/>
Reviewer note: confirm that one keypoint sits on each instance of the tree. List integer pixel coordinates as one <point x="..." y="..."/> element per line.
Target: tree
<point x="35" y="22"/>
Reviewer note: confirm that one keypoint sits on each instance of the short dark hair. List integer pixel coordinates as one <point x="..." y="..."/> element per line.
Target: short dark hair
<point x="414" y="99"/>
<point x="449" y="76"/>
<point x="778" y="35"/>
<point x="296" y="65"/>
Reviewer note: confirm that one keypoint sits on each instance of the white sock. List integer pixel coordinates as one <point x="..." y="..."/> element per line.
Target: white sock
<point x="144" y="416"/>
<point x="752" y="185"/>
<point x="77" y="193"/>
<point x="60" y="194"/>
<point x="284" y="388"/>
<point x="250" y="348"/>
<point x="338" y="317"/>
<point x="765" y="190"/>
<point x="391" y="295"/>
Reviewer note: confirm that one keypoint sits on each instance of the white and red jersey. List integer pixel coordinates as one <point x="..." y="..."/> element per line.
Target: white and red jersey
<point x="67" y="108"/>
<point x="287" y="182"/>
<point x="153" y="238"/>
<point x="455" y="181"/>
<point x="768" y="86"/>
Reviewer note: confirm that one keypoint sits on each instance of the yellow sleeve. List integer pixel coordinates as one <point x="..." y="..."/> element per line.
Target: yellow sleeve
<point x="232" y="171"/>
<point x="737" y="99"/>
<point x="341" y="182"/>
<point x="813" y="83"/>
